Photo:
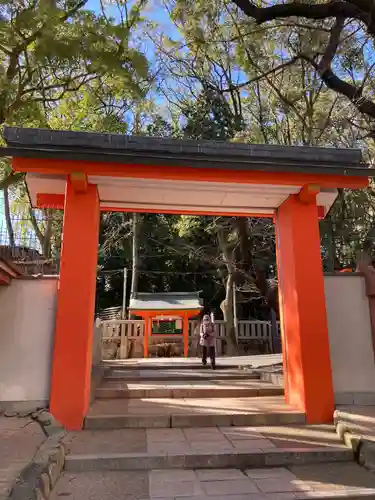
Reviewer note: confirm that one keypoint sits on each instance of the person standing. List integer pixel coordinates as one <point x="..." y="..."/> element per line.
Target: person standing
<point x="208" y="341"/>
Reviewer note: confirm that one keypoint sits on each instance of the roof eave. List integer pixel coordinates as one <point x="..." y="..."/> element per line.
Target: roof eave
<point x="199" y="161"/>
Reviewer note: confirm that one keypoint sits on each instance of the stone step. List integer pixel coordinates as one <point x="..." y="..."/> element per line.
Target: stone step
<point x="190" y="412"/>
<point x="206" y="459"/>
<point x="329" y="481"/>
<point x="142" y="421"/>
<point x="133" y="375"/>
<point x="203" y="448"/>
<point x="112" y="389"/>
<point x="167" y="364"/>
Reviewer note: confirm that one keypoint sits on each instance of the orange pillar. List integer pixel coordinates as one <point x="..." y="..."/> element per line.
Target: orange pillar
<point x="281" y="316"/>
<point x="305" y="330"/>
<point x="72" y="353"/>
<point x="186" y="335"/>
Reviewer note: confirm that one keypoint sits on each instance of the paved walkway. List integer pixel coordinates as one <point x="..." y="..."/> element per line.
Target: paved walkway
<point x="294" y="483"/>
<point x="19" y="440"/>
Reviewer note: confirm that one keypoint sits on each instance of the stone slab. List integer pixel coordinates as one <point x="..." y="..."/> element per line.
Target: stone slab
<point x="196" y="439"/>
<point x="191" y="412"/>
<point x="127" y="421"/>
<point x="107" y="441"/>
<point x="186" y="389"/>
<point x="230" y="487"/>
<point x="102" y="485"/>
<point x="179" y="375"/>
<point x="205" y="460"/>
<point x="328" y="481"/>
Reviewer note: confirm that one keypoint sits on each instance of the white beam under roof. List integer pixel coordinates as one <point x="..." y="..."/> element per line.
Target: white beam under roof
<point x="171" y="195"/>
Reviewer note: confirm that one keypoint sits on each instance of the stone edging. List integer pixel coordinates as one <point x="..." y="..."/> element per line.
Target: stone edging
<point x="38" y="478"/>
<point x="363" y="448"/>
<point x="272" y="378"/>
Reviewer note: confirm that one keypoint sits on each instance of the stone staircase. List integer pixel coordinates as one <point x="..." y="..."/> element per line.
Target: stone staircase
<point x="168" y="432"/>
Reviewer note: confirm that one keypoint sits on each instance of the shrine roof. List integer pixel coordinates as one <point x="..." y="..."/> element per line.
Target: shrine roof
<point x="157" y="151"/>
<point x="179" y="301"/>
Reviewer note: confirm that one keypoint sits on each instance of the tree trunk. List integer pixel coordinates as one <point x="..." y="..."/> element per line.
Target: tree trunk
<point x="228" y="312"/>
<point x="135" y="255"/>
<point x="8" y="219"/>
<point x="48" y="236"/>
<point x="227" y="304"/>
<point x="38" y="231"/>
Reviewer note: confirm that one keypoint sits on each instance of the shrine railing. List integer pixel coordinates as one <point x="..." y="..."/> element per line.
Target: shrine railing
<point x="119" y="332"/>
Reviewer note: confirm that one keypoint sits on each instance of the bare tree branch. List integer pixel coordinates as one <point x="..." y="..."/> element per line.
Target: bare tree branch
<point x="335" y="8"/>
<point x="331" y="49"/>
<point x="263" y="75"/>
<point x="353" y="93"/>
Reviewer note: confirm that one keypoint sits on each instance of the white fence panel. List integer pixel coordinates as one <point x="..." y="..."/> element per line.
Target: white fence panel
<point x="121" y="331"/>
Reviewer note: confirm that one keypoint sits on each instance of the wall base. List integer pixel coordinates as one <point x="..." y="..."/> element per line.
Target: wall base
<point x="22" y="406"/>
<point x="357" y="398"/>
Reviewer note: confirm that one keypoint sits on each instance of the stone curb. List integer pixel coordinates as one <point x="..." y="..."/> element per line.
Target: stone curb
<point x="38" y="478"/>
<point x="350" y="433"/>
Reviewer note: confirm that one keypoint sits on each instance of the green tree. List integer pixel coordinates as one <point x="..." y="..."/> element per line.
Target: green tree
<point x="50" y="50"/>
<point x="349" y="33"/>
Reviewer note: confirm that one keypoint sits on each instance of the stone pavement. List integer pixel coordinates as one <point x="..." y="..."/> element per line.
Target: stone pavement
<point x="190" y="439"/>
<point x="329" y="481"/>
<point x="202" y="447"/>
<point x="20" y="438"/>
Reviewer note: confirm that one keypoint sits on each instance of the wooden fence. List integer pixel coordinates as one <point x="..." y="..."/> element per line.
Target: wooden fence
<point x="122" y="331"/>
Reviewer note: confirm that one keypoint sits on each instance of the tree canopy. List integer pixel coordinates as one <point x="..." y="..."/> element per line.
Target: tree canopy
<point x="292" y="73"/>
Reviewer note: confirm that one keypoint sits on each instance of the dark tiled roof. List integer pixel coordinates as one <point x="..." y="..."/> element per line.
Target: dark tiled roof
<point x="43" y="143"/>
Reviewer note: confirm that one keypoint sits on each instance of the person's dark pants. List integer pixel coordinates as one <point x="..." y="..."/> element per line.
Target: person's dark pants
<point x="208" y="351"/>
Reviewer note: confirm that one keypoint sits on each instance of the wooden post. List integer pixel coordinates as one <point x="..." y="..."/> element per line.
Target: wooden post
<point x="186" y="335"/>
<point x="147" y="334"/>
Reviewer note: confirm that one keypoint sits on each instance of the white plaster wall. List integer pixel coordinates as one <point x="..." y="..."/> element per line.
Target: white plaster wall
<point x="27" y="323"/>
<point x="352" y="354"/>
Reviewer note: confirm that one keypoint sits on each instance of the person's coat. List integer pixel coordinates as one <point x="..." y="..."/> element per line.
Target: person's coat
<point x="207" y="334"/>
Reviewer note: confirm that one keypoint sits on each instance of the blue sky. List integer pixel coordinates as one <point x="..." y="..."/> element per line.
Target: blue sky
<point x="156" y="13"/>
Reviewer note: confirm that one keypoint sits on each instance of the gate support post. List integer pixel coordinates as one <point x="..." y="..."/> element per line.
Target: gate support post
<point x="185" y="334"/>
<point x="72" y="353"/>
<point x="307" y="362"/>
